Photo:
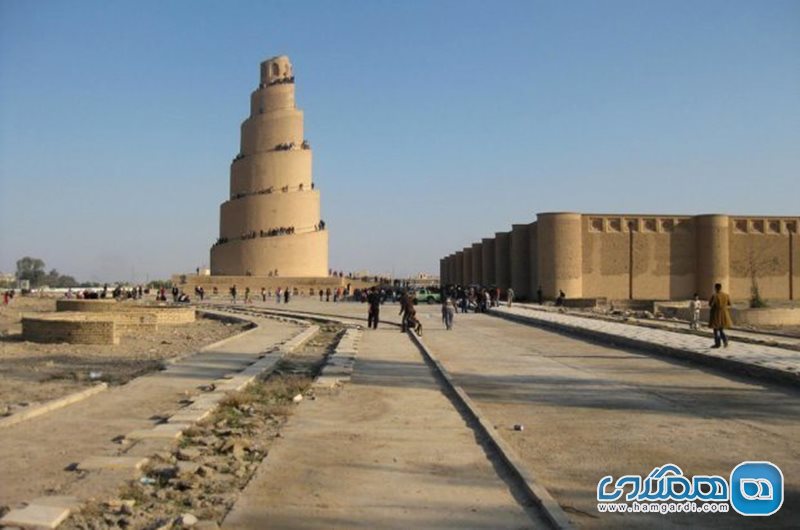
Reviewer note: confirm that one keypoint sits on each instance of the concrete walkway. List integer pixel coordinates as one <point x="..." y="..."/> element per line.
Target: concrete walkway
<point x="682" y="326"/>
<point x="591" y="409"/>
<point x="34" y="454"/>
<point x="766" y="360"/>
<point x="388" y="450"/>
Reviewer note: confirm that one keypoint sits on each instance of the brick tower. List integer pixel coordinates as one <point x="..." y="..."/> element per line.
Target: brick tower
<point x="271" y="224"/>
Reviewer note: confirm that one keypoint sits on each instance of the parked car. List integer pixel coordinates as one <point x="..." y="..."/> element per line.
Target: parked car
<point x="427" y="295"/>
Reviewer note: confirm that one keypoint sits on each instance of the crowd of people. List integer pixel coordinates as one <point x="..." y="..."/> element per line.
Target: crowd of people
<point x="119" y="292"/>
<point x="408" y="313"/>
<point x="269" y="191"/>
<point x="281" y="293"/>
<point x="288" y="146"/>
<point x="280" y="231"/>
<point x="272" y="232"/>
<point x="476" y="299"/>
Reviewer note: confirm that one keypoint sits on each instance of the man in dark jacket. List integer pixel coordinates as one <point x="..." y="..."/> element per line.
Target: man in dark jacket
<point x="374" y="301"/>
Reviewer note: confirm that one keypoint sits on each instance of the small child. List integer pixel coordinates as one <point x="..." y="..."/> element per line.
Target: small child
<point x="694" y="307"/>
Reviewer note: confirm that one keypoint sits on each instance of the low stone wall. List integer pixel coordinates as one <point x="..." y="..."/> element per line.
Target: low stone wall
<point x="163" y="314"/>
<point x="589" y="303"/>
<point x="170" y="316"/>
<point x="100" y="321"/>
<point x="94" y="306"/>
<point x="765" y="316"/>
<point x="633" y="305"/>
<point x="681" y="312"/>
<point x="131" y="322"/>
<point x="584" y="303"/>
<point x="71" y="328"/>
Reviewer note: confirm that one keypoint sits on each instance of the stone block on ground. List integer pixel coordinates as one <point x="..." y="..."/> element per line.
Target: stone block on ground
<point x="190" y="415"/>
<point x="36" y="516"/>
<point x="163" y="431"/>
<point x="113" y="462"/>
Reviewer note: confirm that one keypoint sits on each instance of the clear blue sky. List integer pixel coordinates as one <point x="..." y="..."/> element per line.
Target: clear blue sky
<point x="433" y="123"/>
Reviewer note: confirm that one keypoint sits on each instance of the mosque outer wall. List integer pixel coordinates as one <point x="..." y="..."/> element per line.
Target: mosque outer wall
<point x="647" y="257"/>
<point x="477" y="263"/>
<point x="451" y="268"/>
<point x="487" y="261"/>
<point x="467" y="266"/>
<point x="502" y="255"/>
<point x="519" y="258"/>
<point x="458" y="268"/>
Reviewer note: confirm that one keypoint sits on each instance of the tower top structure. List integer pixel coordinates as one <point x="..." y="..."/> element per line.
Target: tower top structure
<point x="276" y="70"/>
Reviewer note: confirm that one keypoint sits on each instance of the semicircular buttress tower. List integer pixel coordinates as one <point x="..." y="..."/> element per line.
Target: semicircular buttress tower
<point x="271" y="224"/>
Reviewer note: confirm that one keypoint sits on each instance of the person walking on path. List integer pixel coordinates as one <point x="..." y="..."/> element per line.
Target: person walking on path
<point x="263" y="294"/>
<point x="405" y="301"/>
<point x="286" y="296"/>
<point x="694" y="309"/>
<point x="719" y="315"/>
<point x="510" y="296"/>
<point x="374" y="301"/>
<point x="233" y="293"/>
<point x="246" y="295"/>
<point x="278" y="295"/>
<point x="410" y="320"/>
<point x="561" y="298"/>
<point x="448" y="312"/>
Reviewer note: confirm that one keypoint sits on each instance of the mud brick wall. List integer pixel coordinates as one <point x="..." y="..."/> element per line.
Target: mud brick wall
<point x="69" y="329"/>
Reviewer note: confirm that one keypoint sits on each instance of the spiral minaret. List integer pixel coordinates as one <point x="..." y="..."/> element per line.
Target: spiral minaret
<point x="271" y="224"/>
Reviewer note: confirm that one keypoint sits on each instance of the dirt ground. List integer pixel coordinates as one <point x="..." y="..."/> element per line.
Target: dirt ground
<point x="202" y="476"/>
<point x="31" y="373"/>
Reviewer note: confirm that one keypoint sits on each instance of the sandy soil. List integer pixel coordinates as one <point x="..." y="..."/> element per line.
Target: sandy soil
<point x="59" y="369"/>
<point x="204" y="473"/>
